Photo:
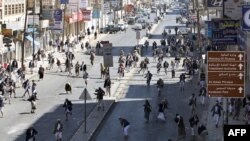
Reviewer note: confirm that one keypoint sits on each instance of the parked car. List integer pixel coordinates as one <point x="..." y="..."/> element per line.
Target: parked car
<point x="137" y="26"/>
<point x="110" y="28"/>
<point x="143" y="22"/>
<point x="104" y="30"/>
<point x="123" y="26"/>
<point x="184" y="30"/>
<point x="131" y="20"/>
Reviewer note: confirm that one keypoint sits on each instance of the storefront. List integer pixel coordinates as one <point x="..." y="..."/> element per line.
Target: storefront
<point x="244" y="42"/>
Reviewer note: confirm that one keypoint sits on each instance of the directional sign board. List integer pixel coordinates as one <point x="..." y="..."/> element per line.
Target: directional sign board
<point x="107" y="55"/>
<point x="226" y="74"/>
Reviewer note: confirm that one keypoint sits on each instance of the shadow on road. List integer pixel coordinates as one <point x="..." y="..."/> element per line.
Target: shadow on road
<point x="45" y="124"/>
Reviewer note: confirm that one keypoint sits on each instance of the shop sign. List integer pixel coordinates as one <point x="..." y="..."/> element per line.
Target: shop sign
<point x="224" y="31"/>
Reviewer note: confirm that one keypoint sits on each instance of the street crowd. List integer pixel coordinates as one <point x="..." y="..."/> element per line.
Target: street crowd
<point x="171" y="45"/>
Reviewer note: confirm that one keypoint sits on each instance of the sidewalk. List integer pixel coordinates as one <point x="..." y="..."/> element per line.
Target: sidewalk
<point x="216" y="134"/>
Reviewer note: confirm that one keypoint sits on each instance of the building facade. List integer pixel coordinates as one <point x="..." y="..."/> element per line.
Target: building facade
<point x="12" y="14"/>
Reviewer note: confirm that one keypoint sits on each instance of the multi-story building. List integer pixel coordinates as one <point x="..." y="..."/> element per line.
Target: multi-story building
<point x="12" y="13"/>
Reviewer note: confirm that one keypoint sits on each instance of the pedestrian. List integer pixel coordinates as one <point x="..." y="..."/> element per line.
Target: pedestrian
<point x="216" y="112"/>
<point x="84" y="67"/>
<point x="32" y="99"/>
<point x="41" y="72"/>
<point x="165" y="66"/>
<point x="26" y="86"/>
<point x="158" y="66"/>
<point x="31" y="134"/>
<point x="98" y="47"/>
<point x="99" y="96"/>
<point x="160" y="85"/>
<point x="92" y="57"/>
<point x="1" y="105"/>
<point x="58" y="63"/>
<point x="31" y="66"/>
<point x="192" y="103"/>
<point x="202" y="132"/>
<point x="85" y="77"/>
<point x="68" y="108"/>
<point x="202" y="95"/>
<point x="68" y="88"/>
<point x="102" y="70"/>
<point x="182" y="81"/>
<point x="247" y="114"/>
<point x="125" y="125"/>
<point x="77" y="69"/>
<point x="161" y="108"/>
<point x="181" y="126"/>
<point x="95" y="34"/>
<point x="149" y="77"/>
<point x="58" y="128"/>
<point x="12" y="85"/>
<point x="107" y="85"/>
<point x="237" y="109"/>
<point x="33" y="87"/>
<point x="193" y="121"/>
<point x="147" y="110"/>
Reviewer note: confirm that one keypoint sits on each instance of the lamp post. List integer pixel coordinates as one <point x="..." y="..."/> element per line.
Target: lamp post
<point x="33" y="32"/>
<point x="24" y="33"/>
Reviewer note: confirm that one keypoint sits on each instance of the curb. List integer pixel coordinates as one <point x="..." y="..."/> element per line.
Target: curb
<point x="112" y="106"/>
<point x="90" y="134"/>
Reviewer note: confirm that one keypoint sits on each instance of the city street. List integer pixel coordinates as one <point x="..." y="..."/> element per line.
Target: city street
<point x="130" y="106"/>
<point x="51" y="94"/>
<point x="206" y="77"/>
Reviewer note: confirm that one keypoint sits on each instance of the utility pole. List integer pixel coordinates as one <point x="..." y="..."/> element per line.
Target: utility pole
<point x="198" y="25"/>
<point x="24" y="34"/>
<point x="33" y="32"/>
<point x="77" y="22"/>
<point x="64" y="16"/>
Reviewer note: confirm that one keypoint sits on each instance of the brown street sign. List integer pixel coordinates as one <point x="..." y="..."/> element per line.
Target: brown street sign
<point x="227" y="56"/>
<point x="226" y="78"/>
<point x="226" y="73"/>
<point x="226" y="91"/>
<point x="225" y="66"/>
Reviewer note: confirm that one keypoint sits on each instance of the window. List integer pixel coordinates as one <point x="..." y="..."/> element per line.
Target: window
<point x="9" y="9"/>
<point x="22" y="8"/>
<point x="5" y="10"/>
<point x="13" y="9"/>
<point x="16" y="8"/>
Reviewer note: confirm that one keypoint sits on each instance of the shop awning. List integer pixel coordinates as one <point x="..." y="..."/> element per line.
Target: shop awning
<point x="31" y="39"/>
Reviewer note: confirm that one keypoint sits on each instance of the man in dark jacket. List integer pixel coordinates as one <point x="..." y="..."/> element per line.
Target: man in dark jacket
<point x="216" y="112"/>
<point x="14" y="64"/>
<point x="30" y="134"/>
<point x="107" y="85"/>
<point x="99" y="96"/>
<point x="125" y="125"/>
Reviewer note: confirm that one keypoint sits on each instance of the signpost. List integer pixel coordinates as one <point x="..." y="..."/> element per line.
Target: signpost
<point x="107" y="55"/>
<point x="226" y="74"/>
<point x="83" y="96"/>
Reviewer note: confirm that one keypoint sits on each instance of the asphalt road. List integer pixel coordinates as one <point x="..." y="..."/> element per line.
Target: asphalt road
<point x="131" y="105"/>
<point x="51" y="94"/>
